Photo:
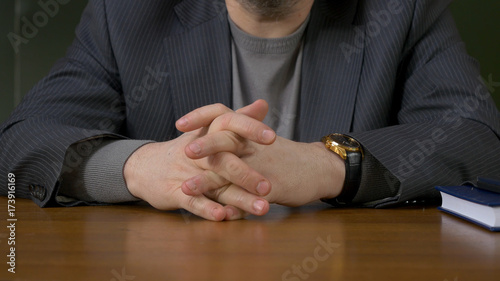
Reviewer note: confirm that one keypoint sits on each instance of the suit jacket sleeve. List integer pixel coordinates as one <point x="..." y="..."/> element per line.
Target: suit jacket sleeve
<point x="446" y="127"/>
<point x="79" y="101"/>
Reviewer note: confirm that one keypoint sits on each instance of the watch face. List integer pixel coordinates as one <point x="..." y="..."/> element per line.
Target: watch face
<point x="345" y="141"/>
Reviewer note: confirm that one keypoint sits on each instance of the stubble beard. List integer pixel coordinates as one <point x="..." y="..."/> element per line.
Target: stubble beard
<point x="269" y="8"/>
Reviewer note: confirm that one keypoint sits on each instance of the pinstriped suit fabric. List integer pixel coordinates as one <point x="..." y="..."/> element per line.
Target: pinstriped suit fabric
<point x="394" y="74"/>
<point x="434" y="80"/>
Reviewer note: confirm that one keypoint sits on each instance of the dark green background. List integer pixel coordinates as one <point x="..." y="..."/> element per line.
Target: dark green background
<point x="477" y="20"/>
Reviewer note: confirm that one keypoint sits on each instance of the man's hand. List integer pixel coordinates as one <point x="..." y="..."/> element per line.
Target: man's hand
<point x="299" y="172"/>
<point x="156" y="171"/>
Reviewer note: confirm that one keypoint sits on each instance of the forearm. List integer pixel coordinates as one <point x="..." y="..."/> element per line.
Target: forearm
<point x="421" y="156"/>
<point x="34" y="150"/>
<point x="99" y="178"/>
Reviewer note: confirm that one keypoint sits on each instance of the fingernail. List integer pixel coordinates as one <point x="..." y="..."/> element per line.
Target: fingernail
<point x="229" y="212"/>
<point x="191" y="185"/>
<point x="215" y="214"/>
<point x="263" y="187"/>
<point x="258" y="205"/>
<point x="267" y="136"/>
<point x="182" y="122"/>
<point x="195" y="148"/>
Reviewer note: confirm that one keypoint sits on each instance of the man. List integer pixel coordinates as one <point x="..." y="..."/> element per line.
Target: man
<point x="390" y="78"/>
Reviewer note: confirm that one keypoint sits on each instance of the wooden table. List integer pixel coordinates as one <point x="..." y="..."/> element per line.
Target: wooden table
<point x="314" y="242"/>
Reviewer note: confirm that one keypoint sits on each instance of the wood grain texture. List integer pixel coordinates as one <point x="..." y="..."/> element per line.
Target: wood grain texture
<point x="140" y="243"/>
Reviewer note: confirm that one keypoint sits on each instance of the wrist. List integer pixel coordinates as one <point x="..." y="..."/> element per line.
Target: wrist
<point x="350" y="150"/>
<point x="332" y="169"/>
<point x="132" y="168"/>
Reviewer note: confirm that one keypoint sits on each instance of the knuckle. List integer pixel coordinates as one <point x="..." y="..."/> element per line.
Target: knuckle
<point x="240" y="199"/>
<point x="233" y="168"/>
<point x="215" y="194"/>
<point x="214" y="161"/>
<point x="220" y="110"/>
<point x="234" y="139"/>
<point x="245" y="178"/>
<point x="191" y="203"/>
<point x="220" y="107"/>
<point x="248" y="129"/>
<point x="215" y="179"/>
<point x="236" y="142"/>
<point x="224" y="121"/>
<point x="211" y="143"/>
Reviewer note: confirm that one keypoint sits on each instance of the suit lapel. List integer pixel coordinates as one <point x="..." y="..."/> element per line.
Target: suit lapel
<point x="332" y="62"/>
<point x="199" y="59"/>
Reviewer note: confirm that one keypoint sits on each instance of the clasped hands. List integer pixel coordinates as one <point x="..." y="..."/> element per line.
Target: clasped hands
<point x="229" y="164"/>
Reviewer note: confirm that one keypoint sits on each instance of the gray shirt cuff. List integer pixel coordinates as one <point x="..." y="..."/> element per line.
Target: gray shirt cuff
<point x="99" y="178"/>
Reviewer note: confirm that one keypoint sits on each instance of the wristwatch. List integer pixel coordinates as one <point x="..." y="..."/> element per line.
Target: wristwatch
<point x="351" y="151"/>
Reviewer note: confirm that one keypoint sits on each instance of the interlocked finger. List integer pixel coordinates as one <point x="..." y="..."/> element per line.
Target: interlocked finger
<point x="239" y="198"/>
<point x="234" y="170"/>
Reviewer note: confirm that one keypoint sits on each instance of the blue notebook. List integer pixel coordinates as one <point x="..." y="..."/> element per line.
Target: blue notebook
<point x="479" y="206"/>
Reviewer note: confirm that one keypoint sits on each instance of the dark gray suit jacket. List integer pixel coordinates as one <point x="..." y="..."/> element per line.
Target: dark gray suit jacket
<point x="393" y="74"/>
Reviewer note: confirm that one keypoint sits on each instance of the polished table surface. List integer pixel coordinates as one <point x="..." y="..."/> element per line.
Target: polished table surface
<point x="313" y="242"/>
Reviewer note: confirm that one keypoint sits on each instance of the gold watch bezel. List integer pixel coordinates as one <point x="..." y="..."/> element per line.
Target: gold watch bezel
<point x="340" y="148"/>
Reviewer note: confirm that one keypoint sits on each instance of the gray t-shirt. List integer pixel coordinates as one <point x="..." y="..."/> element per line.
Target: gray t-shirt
<point x="268" y="69"/>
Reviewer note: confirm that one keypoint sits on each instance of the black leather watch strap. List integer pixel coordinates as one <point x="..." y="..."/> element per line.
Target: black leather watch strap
<point x="352" y="178"/>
